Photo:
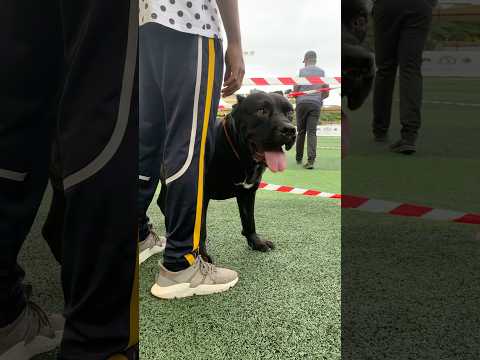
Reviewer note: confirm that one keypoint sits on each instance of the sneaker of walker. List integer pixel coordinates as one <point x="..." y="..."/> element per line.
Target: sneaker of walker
<point x="403" y="147"/>
<point x="202" y="278"/>
<point x="31" y="334"/>
<point x="152" y="245"/>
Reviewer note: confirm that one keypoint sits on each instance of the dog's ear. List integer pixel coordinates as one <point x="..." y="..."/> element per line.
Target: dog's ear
<point x="240" y="98"/>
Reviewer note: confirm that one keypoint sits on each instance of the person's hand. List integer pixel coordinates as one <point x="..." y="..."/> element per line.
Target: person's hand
<point x="325" y="94"/>
<point x="235" y="70"/>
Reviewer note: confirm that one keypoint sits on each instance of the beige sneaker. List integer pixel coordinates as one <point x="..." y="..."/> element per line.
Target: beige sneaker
<point x="33" y="333"/>
<point x="152" y="245"/>
<point x="201" y="278"/>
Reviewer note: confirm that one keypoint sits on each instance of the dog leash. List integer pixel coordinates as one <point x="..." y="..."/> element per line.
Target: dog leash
<point x="229" y="139"/>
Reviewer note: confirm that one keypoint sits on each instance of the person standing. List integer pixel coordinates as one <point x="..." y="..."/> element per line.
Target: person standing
<point x="308" y="110"/>
<point x="401" y="30"/>
<point x="181" y="75"/>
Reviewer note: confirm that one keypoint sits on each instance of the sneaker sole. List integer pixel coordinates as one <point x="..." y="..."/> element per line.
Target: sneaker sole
<point x="184" y="290"/>
<point x="37" y="346"/>
<point x="145" y="254"/>
<point x="404" y="149"/>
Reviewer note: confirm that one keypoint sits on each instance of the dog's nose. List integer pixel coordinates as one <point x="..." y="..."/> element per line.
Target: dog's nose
<point x="288" y="131"/>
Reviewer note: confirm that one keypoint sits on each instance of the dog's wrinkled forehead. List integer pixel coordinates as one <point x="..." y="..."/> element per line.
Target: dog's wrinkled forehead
<point x="255" y="101"/>
<point x="284" y="105"/>
<point x="273" y="102"/>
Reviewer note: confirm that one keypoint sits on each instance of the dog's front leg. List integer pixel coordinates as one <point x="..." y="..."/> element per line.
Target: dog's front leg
<point x="203" y="234"/>
<point x="246" y="206"/>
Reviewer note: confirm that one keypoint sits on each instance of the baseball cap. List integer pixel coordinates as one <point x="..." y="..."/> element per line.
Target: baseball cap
<point x="310" y="55"/>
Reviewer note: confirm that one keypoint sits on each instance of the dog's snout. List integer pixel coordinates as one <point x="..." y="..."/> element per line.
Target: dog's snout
<point x="288" y="131"/>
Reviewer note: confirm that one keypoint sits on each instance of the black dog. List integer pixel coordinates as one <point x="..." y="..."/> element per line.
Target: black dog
<point x="247" y="141"/>
<point x="358" y="65"/>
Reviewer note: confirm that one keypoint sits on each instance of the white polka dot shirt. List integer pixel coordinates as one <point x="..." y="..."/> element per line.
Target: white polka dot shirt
<point x="199" y="17"/>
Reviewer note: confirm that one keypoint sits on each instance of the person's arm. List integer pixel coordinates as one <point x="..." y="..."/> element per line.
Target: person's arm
<point x="325" y="94"/>
<point x="235" y="67"/>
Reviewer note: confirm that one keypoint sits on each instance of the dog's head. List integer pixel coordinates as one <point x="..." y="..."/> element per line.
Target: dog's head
<point x="355" y="18"/>
<point x="358" y="65"/>
<point x="264" y="122"/>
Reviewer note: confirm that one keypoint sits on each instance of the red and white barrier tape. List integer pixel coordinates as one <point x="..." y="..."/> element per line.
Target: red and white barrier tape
<point x="298" y="191"/>
<point x="316" y="91"/>
<point x="308" y="80"/>
<point x="382" y="206"/>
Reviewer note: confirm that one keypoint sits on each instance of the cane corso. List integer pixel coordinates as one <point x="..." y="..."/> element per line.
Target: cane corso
<point x="254" y="136"/>
<point x="358" y="64"/>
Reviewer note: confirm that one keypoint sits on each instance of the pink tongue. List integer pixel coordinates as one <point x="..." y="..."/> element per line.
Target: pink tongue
<point x="276" y="160"/>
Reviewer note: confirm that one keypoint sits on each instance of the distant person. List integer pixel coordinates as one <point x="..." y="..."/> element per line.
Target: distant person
<point x="308" y="111"/>
<point x="401" y="30"/>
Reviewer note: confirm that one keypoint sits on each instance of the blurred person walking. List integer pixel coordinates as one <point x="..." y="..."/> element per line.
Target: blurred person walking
<point x="401" y="31"/>
<point x="308" y="109"/>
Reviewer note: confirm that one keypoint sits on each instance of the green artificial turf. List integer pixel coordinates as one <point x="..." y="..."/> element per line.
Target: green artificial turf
<point x="41" y="269"/>
<point x="325" y="175"/>
<point x="410" y="286"/>
<point x="287" y="302"/>
<point x="447" y="160"/>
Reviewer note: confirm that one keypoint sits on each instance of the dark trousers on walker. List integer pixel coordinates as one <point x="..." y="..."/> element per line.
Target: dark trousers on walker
<point x="308" y="116"/>
<point x="180" y="80"/>
<point x="401" y="30"/>
<point x="67" y="87"/>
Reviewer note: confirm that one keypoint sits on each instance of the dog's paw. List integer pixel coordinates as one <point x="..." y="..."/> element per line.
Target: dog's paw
<point x="261" y="245"/>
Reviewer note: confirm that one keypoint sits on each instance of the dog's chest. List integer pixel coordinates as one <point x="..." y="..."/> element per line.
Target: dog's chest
<point x="251" y="177"/>
<point x="227" y="174"/>
<point x="225" y="180"/>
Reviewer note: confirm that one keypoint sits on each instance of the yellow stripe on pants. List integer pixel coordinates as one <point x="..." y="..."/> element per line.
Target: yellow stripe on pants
<point x="201" y="165"/>
<point x="134" y="306"/>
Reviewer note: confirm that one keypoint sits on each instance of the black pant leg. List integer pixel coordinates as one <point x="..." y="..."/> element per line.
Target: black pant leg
<point x="98" y="152"/>
<point x="401" y="30"/>
<point x="411" y="44"/>
<point x="151" y="128"/>
<point x="185" y="175"/>
<point x="52" y="228"/>
<point x="30" y="72"/>
<point x="301" y="118"/>
<point x="387" y="24"/>
<point x="190" y="91"/>
<point x="312" y="122"/>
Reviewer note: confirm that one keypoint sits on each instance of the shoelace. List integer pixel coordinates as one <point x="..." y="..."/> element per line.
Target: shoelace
<point x="156" y="238"/>
<point x="38" y="320"/>
<point x="206" y="268"/>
